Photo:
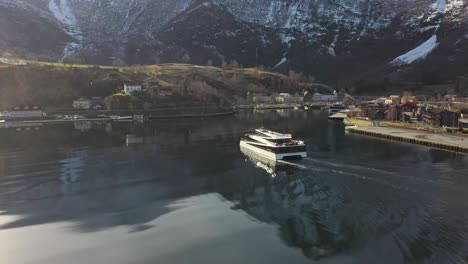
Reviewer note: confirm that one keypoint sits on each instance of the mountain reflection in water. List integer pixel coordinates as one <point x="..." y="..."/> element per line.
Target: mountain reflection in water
<point x="354" y="200"/>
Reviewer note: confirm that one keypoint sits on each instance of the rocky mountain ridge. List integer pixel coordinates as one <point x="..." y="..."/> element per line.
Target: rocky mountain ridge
<point x="334" y="40"/>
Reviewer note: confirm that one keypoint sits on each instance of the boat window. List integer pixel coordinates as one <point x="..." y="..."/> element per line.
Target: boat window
<point x="280" y="141"/>
<point x="290" y="150"/>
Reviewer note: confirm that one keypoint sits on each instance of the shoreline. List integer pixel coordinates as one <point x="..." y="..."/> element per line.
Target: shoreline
<point x="422" y="138"/>
<point x="7" y="123"/>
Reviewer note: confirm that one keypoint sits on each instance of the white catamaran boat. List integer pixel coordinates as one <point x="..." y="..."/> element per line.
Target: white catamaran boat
<point x="274" y="145"/>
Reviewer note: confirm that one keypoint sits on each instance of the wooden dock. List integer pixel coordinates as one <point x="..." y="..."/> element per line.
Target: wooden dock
<point x="432" y="140"/>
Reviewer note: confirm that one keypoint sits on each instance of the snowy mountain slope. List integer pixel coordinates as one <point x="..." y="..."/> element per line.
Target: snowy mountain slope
<point x="418" y="53"/>
<point x="354" y="37"/>
<point x="62" y="11"/>
<point x="122" y="28"/>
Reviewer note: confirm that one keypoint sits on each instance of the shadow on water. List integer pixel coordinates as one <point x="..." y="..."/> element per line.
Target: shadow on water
<point x="331" y="207"/>
<point x="353" y="196"/>
<point x="101" y="175"/>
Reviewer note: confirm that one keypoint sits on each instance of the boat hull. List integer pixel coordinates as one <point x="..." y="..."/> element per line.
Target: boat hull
<point x="270" y="155"/>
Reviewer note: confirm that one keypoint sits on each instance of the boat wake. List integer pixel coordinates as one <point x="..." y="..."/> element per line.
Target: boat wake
<point x="292" y="164"/>
<point x="348" y="166"/>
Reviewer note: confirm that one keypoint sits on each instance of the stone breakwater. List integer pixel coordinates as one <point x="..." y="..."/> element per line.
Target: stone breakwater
<point x="432" y="140"/>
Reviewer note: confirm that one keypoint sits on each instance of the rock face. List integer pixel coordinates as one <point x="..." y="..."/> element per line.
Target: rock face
<point x="28" y="30"/>
<point x="335" y="40"/>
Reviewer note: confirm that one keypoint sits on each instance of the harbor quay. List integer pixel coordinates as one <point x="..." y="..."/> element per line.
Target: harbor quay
<point x="433" y="140"/>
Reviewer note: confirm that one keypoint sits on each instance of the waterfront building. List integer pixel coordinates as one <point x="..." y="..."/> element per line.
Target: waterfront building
<point x="22" y="113"/>
<point x="449" y="118"/>
<point x="374" y="111"/>
<point x="396" y="99"/>
<point x="381" y="100"/>
<point x="409" y="99"/>
<point x="285" y="98"/>
<point x="82" y="103"/>
<point x="408" y="107"/>
<point x="450" y="97"/>
<point x="439" y="117"/>
<point x="392" y="113"/>
<point x="132" y="88"/>
<point x="262" y="99"/>
<point x="318" y="97"/>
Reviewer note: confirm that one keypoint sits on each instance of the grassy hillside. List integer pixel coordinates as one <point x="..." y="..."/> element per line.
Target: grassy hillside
<point x="55" y="85"/>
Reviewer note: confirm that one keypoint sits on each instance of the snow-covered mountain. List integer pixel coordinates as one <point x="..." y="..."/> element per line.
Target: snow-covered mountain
<point x="351" y="37"/>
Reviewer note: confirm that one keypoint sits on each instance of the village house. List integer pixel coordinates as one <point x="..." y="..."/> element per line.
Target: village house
<point x="388" y="101"/>
<point x="449" y="118"/>
<point x="82" y="103"/>
<point x="318" y="97"/>
<point x="349" y="100"/>
<point x="380" y="100"/>
<point x="431" y="116"/>
<point x="341" y="95"/>
<point x="393" y="113"/>
<point x="373" y="111"/>
<point x="396" y="99"/>
<point x="403" y="112"/>
<point x="285" y="98"/>
<point x="409" y="99"/>
<point x="262" y="99"/>
<point x="450" y="97"/>
<point x="408" y="107"/>
<point x="132" y="88"/>
<point x="439" y="117"/>
<point x="409" y="117"/>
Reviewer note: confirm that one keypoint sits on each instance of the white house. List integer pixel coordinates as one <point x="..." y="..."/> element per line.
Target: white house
<point x="318" y="97"/>
<point x="285" y="98"/>
<point x="82" y="103"/>
<point x="380" y="100"/>
<point x="132" y="88"/>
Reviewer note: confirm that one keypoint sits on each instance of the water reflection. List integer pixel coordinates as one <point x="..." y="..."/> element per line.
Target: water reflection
<point x="272" y="167"/>
<point x="369" y="200"/>
<point x="328" y="208"/>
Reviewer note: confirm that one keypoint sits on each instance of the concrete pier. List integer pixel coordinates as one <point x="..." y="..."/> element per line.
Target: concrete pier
<point x="432" y="140"/>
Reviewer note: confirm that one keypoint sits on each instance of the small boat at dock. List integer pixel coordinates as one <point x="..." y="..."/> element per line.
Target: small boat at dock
<point x="338" y="116"/>
<point x="336" y="108"/>
<point x="118" y="118"/>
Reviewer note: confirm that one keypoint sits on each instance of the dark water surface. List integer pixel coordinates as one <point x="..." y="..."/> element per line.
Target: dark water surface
<point x="182" y="192"/>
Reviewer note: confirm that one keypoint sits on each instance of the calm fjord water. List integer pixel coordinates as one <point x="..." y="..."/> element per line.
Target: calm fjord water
<point x="182" y="192"/>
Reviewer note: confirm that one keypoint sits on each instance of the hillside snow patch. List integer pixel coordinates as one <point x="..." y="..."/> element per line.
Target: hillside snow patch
<point x="418" y="53"/>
